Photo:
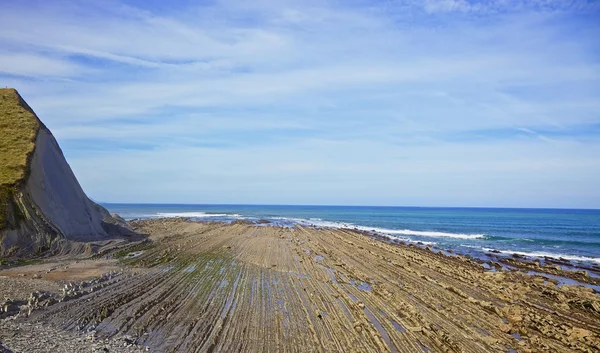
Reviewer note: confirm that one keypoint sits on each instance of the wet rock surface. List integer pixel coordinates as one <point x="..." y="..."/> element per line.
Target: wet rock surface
<point x="212" y="287"/>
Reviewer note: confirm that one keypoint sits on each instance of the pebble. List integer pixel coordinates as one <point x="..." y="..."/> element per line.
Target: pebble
<point x="36" y="338"/>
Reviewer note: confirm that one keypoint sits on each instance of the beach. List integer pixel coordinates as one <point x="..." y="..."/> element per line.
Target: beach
<point x="288" y="176"/>
<point x="240" y="286"/>
<point x="554" y="234"/>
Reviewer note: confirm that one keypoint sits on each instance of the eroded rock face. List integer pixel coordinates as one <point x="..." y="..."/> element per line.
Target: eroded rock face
<point x="54" y="190"/>
<point x="49" y="210"/>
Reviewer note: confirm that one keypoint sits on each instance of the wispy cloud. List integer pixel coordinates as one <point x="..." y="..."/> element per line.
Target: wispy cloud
<point x="32" y="65"/>
<point x="332" y="102"/>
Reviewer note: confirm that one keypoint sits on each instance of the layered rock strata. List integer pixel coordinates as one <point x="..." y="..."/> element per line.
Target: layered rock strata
<point x="42" y="205"/>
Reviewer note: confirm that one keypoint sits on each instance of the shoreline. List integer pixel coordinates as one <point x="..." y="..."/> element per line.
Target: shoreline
<point x="222" y="287"/>
<point x="584" y="273"/>
<point x="565" y="260"/>
<point x="561" y="270"/>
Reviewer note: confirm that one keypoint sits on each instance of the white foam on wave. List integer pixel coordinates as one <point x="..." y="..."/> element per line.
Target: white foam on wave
<point x="434" y="234"/>
<point x="400" y="231"/>
<point x="390" y="233"/>
<point x="547" y="254"/>
<point x="408" y="240"/>
<point x="193" y="215"/>
<point x="384" y="231"/>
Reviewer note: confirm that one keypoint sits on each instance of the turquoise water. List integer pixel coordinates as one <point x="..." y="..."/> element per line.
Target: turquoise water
<point x="570" y="234"/>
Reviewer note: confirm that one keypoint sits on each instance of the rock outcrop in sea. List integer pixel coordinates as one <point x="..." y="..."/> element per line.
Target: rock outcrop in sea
<point x="43" y="208"/>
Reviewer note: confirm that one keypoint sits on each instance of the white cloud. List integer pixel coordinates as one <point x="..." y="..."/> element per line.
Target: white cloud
<point x="36" y="65"/>
<point x="334" y="96"/>
<point x="446" y="5"/>
<point x="350" y="172"/>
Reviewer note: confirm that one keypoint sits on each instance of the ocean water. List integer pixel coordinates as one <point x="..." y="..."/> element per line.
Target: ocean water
<point x="560" y="233"/>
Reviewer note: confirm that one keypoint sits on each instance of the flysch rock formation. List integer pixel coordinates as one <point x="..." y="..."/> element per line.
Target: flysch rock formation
<point x="46" y="210"/>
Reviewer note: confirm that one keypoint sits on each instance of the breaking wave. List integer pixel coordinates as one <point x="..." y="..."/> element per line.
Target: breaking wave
<point x="406" y="232"/>
<point x="547" y="254"/>
<point x="193" y="215"/>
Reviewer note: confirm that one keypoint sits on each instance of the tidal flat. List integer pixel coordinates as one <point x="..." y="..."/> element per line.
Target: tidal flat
<point x="218" y="287"/>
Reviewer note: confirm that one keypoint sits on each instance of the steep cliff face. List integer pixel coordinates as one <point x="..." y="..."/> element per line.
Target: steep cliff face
<point x="42" y="206"/>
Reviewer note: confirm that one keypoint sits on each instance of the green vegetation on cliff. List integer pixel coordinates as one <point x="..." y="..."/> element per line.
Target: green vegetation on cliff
<point x="18" y="130"/>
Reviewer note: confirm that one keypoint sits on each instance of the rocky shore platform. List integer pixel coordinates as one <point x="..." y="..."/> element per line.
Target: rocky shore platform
<point x="216" y="287"/>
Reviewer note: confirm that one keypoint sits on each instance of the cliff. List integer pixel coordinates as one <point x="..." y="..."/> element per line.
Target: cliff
<point x="43" y="209"/>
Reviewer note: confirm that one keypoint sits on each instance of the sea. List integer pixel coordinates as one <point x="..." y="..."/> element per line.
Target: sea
<point x="569" y="234"/>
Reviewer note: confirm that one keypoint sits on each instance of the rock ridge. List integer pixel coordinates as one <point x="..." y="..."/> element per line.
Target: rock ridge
<point x="43" y="208"/>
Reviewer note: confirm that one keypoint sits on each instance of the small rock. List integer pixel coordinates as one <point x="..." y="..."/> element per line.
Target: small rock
<point x="504" y="328"/>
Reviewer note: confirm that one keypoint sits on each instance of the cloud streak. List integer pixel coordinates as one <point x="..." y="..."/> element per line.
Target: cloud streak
<point x="323" y="90"/>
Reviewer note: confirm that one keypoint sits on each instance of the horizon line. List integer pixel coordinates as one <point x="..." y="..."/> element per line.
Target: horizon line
<point x="353" y="205"/>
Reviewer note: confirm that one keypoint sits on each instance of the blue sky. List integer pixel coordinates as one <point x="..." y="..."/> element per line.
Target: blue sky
<point x="422" y="103"/>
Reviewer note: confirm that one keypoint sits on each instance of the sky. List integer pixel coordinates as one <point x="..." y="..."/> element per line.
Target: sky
<point x="383" y="102"/>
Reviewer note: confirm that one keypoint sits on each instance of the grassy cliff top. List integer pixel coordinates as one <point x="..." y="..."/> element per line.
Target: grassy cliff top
<point x="18" y="129"/>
